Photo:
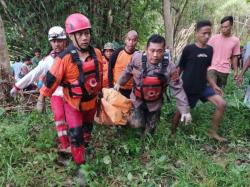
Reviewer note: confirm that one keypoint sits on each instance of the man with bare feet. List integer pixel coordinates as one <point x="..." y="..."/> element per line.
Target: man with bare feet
<point x="194" y="62"/>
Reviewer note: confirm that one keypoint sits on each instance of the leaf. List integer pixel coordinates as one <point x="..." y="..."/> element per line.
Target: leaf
<point x="29" y="150"/>
<point x="85" y="169"/>
<point x="130" y="176"/>
<point x="126" y="148"/>
<point x="2" y="111"/>
<point x="162" y="158"/>
<point x="107" y="160"/>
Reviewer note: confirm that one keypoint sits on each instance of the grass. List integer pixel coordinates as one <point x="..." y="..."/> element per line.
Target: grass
<point x="28" y="151"/>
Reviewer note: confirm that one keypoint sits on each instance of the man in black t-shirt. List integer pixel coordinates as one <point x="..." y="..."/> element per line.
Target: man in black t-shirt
<point x="194" y="62"/>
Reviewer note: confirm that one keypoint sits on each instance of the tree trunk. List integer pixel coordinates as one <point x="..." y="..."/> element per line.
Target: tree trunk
<point x="4" y="57"/>
<point x="178" y="18"/>
<point x="168" y="23"/>
<point x="5" y="75"/>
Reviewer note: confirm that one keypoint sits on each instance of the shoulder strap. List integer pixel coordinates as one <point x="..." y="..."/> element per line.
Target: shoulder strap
<point x="75" y="58"/>
<point x="165" y="63"/>
<point x="66" y="51"/>
<point x="111" y="65"/>
<point x="164" y="66"/>
<point x="93" y="55"/>
<point x="144" y="74"/>
<point x="144" y="65"/>
<point x="114" y="57"/>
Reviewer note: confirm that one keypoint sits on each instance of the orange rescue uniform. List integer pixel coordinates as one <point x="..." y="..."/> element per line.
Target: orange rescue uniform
<point x="117" y="64"/>
<point x="122" y="61"/>
<point x="64" y="70"/>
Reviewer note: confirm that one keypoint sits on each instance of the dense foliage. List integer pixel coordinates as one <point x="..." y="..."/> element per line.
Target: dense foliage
<point x="27" y="22"/>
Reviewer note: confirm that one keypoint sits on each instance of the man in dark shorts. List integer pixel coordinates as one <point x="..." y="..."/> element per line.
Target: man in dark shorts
<point x="194" y="62"/>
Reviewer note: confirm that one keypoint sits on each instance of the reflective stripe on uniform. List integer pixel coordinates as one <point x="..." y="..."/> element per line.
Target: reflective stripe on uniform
<point x="62" y="133"/>
<point x="60" y="122"/>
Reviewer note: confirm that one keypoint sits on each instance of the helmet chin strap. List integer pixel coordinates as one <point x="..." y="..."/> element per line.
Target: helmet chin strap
<point x="79" y="48"/>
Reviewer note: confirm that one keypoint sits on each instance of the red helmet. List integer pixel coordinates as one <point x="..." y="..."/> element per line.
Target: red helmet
<point x="76" y="22"/>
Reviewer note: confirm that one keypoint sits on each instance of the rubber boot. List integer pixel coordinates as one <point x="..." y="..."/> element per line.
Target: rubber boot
<point x="87" y="129"/>
<point x="64" y="142"/>
<point x="78" y="154"/>
<point x="62" y="136"/>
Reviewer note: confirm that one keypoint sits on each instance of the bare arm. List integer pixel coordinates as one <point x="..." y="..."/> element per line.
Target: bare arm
<point x="235" y="66"/>
<point x="216" y="88"/>
<point x="244" y="69"/>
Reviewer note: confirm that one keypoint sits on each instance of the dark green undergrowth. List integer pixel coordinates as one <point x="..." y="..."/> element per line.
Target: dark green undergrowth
<point x="28" y="151"/>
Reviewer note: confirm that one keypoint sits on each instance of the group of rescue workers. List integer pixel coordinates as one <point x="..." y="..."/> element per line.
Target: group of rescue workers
<point x="73" y="77"/>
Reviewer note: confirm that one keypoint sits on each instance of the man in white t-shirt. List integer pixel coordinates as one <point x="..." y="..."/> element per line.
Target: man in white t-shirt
<point x="16" y="68"/>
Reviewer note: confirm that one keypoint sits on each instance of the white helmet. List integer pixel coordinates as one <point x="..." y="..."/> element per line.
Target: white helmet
<point x="56" y="32"/>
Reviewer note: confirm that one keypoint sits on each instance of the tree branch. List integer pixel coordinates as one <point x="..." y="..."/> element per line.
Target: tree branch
<point x="179" y="16"/>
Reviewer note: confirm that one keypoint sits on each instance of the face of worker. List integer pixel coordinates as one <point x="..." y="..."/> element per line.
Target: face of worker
<point x="155" y="52"/>
<point x="130" y="42"/>
<point x="203" y="34"/>
<point x="226" y="28"/>
<point x="37" y="54"/>
<point x="108" y="53"/>
<point x="82" y="37"/>
<point x="58" y="45"/>
<point x="28" y="62"/>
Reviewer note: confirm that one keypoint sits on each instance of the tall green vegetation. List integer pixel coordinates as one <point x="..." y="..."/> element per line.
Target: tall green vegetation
<point x="27" y="22"/>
